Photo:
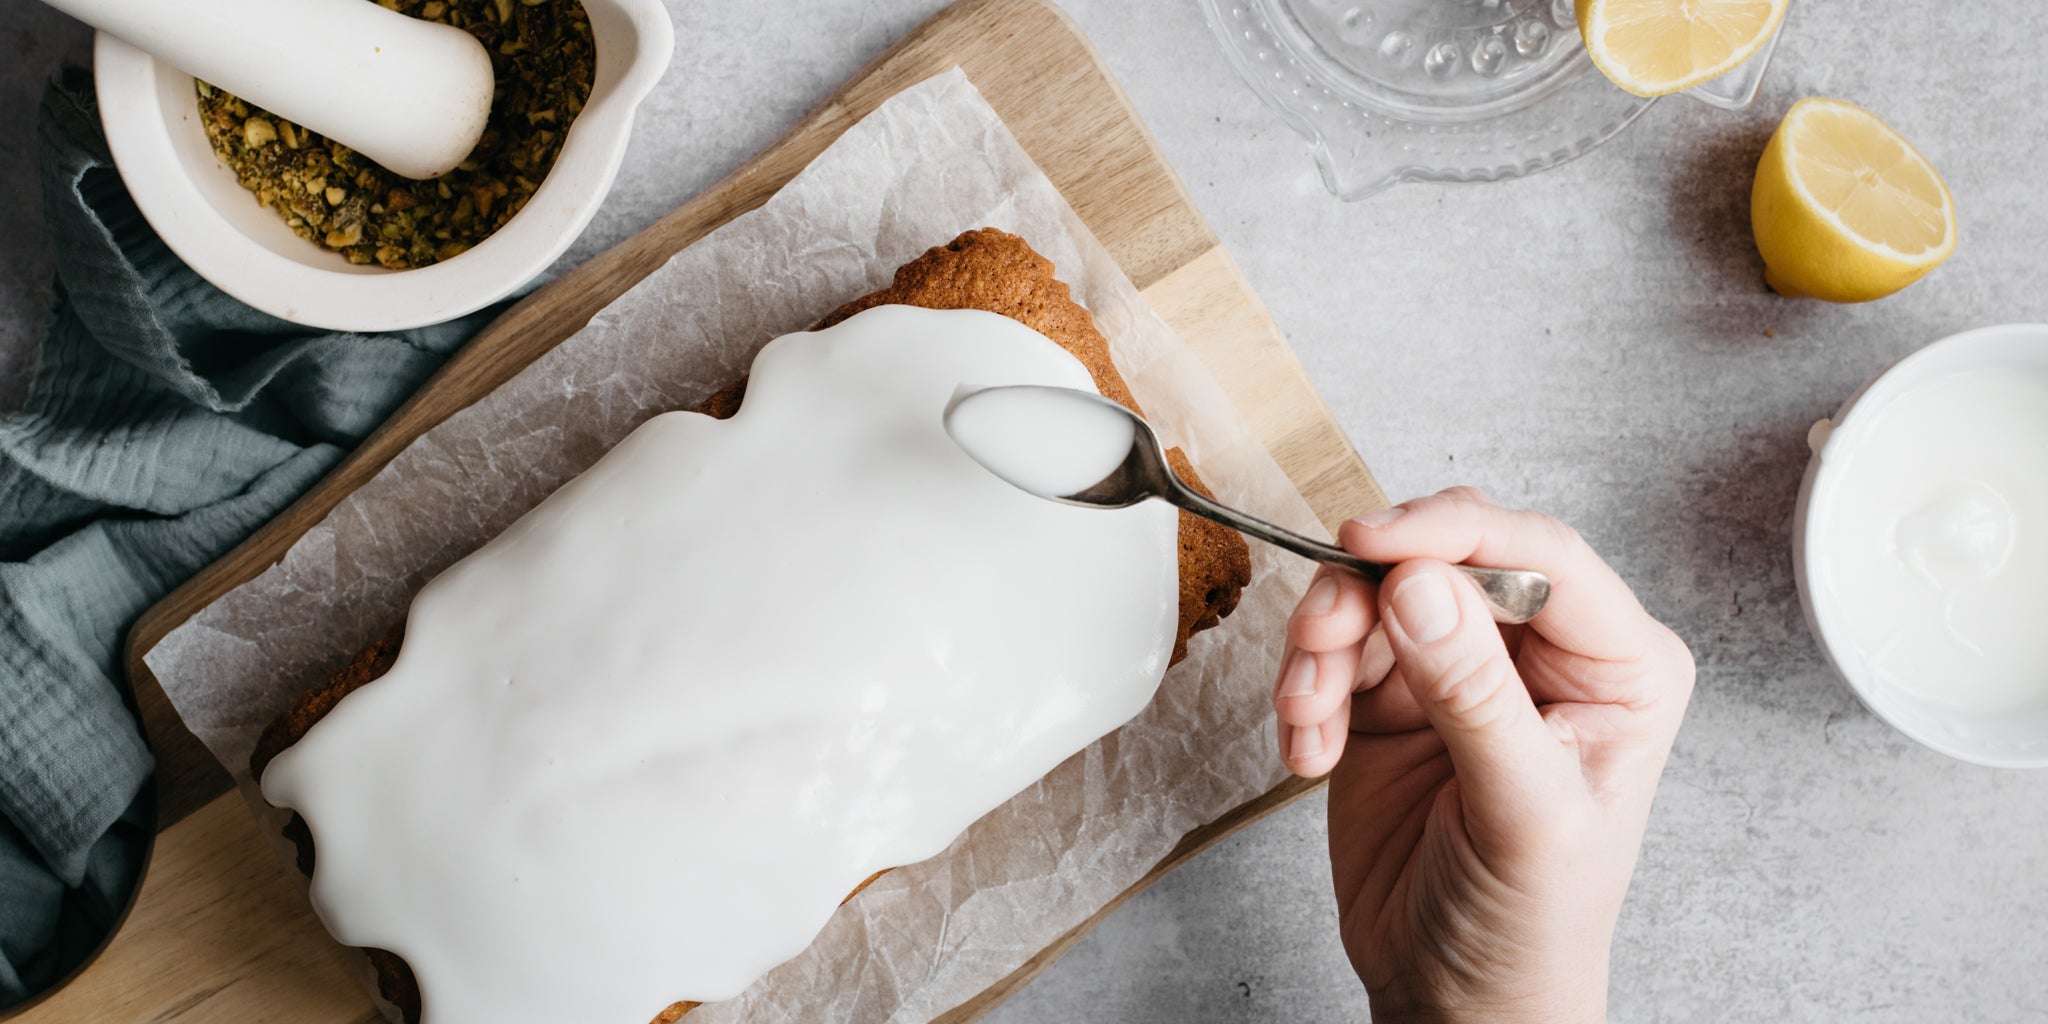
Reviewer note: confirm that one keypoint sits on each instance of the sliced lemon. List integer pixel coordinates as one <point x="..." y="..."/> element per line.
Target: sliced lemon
<point x="1844" y="209"/>
<point x="1654" y="47"/>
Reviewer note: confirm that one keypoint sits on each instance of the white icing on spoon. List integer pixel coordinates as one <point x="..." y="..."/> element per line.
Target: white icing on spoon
<point x="638" y="748"/>
<point x="1050" y="442"/>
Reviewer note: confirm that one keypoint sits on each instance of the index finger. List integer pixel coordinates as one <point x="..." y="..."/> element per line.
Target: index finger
<point x="1591" y="612"/>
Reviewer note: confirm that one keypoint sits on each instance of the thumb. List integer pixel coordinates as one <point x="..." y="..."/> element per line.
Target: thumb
<point x="1509" y="764"/>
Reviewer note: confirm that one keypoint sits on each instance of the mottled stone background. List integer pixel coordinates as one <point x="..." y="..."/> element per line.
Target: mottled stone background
<point x="1595" y="341"/>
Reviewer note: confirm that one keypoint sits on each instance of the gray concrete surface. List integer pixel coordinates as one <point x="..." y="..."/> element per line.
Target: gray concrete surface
<point x="1595" y="341"/>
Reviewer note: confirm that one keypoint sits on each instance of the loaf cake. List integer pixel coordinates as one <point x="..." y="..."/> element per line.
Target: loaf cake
<point x="986" y="270"/>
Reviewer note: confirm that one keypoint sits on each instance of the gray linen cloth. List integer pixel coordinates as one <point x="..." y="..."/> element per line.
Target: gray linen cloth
<point x="165" y="422"/>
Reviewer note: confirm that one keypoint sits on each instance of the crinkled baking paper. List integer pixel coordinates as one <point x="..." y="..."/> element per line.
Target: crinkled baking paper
<point x="931" y="162"/>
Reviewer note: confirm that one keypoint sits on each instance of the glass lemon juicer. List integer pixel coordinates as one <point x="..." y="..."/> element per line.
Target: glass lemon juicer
<point x="1437" y="90"/>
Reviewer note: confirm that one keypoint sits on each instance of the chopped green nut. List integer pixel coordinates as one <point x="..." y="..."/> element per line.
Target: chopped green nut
<point x="543" y="60"/>
<point x="258" y="132"/>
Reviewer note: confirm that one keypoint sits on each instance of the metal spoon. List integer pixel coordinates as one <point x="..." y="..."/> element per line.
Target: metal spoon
<point x="1513" y="595"/>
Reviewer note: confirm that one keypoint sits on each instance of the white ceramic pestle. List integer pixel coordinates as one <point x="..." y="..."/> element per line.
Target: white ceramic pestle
<point x="410" y="94"/>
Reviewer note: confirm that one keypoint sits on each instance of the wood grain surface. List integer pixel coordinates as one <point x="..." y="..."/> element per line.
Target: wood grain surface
<point x="221" y="934"/>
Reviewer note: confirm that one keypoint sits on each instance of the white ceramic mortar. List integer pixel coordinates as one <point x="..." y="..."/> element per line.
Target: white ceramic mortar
<point x="151" y="114"/>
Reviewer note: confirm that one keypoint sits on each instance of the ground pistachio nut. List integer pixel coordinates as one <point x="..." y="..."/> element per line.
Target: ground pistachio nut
<point x="543" y="59"/>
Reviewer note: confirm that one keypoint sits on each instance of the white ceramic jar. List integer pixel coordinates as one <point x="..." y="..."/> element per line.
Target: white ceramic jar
<point x="1921" y="545"/>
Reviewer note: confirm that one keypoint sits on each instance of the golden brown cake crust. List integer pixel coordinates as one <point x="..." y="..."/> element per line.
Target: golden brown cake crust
<point x="984" y="269"/>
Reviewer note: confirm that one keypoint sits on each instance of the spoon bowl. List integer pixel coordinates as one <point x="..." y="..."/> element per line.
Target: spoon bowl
<point x="1003" y="428"/>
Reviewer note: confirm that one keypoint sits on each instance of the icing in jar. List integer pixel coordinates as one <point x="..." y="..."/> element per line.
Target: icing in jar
<point x="1932" y="541"/>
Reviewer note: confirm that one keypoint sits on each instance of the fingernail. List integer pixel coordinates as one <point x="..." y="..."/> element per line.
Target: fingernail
<point x="1300" y="678"/>
<point x="1321" y="597"/>
<point x="1308" y="741"/>
<point x="1425" y="607"/>
<point x="1375" y="520"/>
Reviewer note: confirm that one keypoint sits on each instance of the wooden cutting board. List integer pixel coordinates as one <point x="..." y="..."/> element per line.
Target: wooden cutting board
<point x="220" y="934"/>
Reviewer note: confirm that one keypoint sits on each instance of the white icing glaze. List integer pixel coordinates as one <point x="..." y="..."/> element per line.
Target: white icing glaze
<point x="1935" y="539"/>
<point x="1051" y="442"/>
<point x="639" y="747"/>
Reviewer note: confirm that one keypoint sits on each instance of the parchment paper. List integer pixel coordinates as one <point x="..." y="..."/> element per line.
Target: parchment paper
<point x="930" y="163"/>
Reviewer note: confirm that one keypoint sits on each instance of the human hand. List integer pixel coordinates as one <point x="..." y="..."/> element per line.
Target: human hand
<point x="1489" y="784"/>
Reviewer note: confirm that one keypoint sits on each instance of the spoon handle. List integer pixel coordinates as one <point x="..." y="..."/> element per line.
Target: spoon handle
<point x="1513" y="595"/>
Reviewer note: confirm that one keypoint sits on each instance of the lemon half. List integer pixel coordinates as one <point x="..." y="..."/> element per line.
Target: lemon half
<point x="1654" y="47"/>
<point x="1844" y="209"/>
